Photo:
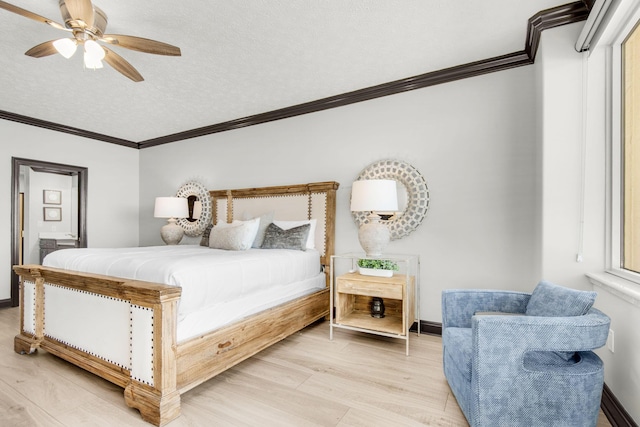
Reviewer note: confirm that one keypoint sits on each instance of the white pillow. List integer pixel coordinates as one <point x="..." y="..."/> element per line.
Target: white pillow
<point x="237" y="236"/>
<point x="265" y="220"/>
<point x="311" y="239"/>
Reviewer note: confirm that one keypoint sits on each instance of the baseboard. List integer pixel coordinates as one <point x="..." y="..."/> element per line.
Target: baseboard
<point x="615" y="412"/>
<point x="432" y="328"/>
<point x="5" y="303"/>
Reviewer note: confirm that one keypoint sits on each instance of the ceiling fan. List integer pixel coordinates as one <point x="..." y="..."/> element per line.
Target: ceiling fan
<point x="87" y="23"/>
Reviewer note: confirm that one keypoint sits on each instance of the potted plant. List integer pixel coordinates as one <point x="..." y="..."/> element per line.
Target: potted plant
<point x="377" y="267"/>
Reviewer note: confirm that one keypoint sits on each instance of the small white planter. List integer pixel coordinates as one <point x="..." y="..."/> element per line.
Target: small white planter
<point x="375" y="272"/>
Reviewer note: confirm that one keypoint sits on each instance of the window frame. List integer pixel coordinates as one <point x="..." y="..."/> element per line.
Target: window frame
<point x="623" y="27"/>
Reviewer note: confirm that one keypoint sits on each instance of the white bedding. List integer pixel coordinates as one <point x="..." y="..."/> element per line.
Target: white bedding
<point x="218" y="286"/>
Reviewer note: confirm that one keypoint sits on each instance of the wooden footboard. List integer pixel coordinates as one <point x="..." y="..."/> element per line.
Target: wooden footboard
<point x="125" y="332"/>
<point x="122" y="330"/>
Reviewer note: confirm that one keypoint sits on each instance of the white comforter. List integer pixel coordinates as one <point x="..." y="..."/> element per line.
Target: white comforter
<point x="208" y="277"/>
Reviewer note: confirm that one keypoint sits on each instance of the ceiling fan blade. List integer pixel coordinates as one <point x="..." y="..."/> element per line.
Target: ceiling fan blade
<point x="121" y="65"/>
<point x="141" y="44"/>
<point x="31" y="15"/>
<point x="42" y="50"/>
<point x="80" y="10"/>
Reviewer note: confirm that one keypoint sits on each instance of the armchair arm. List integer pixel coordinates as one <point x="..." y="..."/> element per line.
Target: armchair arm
<point x="507" y="338"/>
<point x="459" y="305"/>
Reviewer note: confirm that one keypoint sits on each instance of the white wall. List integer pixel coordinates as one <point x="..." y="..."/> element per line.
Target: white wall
<point x="561" y="72"/>
<point x="473" y="140"/>
<point x="112" y="212"/>
<point x="563" y="153"/>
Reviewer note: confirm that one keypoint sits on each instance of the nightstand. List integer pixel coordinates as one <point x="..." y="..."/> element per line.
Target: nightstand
<point x="352" y="295"/>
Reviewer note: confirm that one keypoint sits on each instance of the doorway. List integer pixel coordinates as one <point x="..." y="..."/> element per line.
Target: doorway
<point x="71" y="218"/>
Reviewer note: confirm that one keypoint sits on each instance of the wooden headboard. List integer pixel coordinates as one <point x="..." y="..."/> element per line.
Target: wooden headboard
<point x="288" y="202"/>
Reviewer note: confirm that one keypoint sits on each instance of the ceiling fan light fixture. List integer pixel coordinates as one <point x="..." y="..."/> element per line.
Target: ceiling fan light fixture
<point x="88" y="23"/>
<point x="93" y="55"/>
<point x="94" y="50"/>
<point x="65" y="47"/>
<point x="92" y="64"/>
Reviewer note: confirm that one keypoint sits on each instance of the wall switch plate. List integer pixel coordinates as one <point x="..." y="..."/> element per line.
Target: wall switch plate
<point x="610" y="340"/>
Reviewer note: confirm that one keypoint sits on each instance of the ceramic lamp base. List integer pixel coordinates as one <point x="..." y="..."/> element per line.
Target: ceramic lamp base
<point x="374" y="236"/>
<point x="171" y="233"/>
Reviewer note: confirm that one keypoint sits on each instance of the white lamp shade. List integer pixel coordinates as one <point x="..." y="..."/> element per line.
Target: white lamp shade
<point x="171" y="207"/>
<point x="94" y="50"/>
<point x="93" y="55"/>
<point x="65" y="47"/>
<point x="374" y="195"/>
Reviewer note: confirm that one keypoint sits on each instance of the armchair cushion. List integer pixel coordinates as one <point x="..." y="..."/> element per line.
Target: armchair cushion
<point x="552" y="300"/>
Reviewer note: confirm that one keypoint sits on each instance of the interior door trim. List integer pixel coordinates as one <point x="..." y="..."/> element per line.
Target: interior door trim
<point x="16" y="163"/>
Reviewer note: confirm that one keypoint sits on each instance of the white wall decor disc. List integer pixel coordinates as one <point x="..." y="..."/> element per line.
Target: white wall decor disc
<point x="197" y="227"/>
<point x="413" y="196"/>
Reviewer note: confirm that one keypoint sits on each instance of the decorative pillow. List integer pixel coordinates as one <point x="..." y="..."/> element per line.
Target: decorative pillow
<point x="293" y="238"/>
<point x="205" y="235"/>
<point x="552" y="300"/>
<point x="265" y="220"/>
<point x="237" y="236"/>
<point x="311" y="238"/>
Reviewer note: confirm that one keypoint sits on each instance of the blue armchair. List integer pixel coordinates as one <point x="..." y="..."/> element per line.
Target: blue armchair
<point x="532" y="368"/>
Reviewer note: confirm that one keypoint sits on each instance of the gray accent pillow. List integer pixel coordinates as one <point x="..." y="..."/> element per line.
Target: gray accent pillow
<point x="293" y="238"/>
<point x="205" y="235"/>
<point x="552" y="300"/>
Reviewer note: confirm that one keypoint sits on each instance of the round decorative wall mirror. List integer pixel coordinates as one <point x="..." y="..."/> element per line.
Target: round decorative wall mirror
<point x="199" y="202"/>
<point x="413" y="196"/>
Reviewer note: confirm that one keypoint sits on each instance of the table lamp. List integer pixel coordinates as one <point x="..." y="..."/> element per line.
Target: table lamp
<point x="171" y="208"/>
<point x="374" y="195"/>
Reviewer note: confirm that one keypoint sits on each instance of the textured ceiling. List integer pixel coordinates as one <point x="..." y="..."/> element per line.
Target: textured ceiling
<point x="245" y="57"/>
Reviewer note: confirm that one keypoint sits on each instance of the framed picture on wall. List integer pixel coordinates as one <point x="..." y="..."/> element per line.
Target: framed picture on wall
<point x="52" y="197"/>
<point x="52" y="214"/>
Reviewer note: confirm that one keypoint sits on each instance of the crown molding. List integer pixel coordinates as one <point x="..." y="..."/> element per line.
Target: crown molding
<point x="543" y="20"/>
<point x="551" y="18"/>
<point x="5" y="115"/>
<point x="411" y="83"/>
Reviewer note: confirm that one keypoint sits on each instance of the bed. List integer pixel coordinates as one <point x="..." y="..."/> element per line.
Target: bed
<point x="138" y="333"/>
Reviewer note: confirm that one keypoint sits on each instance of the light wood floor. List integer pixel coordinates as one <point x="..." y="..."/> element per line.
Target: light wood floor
<point x="306" y="380"/>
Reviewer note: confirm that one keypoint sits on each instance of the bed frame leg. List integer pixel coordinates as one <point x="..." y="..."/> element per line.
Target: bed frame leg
<point x="25" y="345"/>
<point x="154" y="407"/>
<point x="29" y="342"/>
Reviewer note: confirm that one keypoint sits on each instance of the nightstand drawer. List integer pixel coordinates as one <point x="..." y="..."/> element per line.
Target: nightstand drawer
<point x="383" y="288"/>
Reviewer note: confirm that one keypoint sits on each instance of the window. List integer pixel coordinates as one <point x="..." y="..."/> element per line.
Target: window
<point x="630" y="259"/>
